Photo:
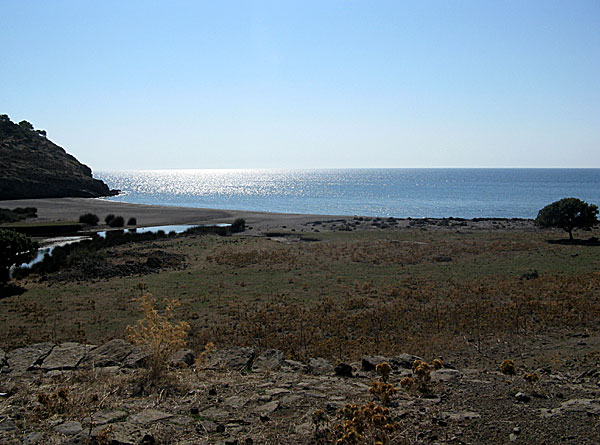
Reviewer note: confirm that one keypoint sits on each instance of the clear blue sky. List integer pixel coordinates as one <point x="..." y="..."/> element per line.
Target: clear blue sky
<point x="302" y="84"/>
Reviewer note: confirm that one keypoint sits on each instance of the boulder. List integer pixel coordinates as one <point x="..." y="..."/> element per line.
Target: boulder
<point x="24" y="359"/>
<point x="70" y="428"/>
<point x="116" y="352"/>
<point x="370" y="362"/>
<point x="238" y="359"/>
<point x="404" y="361"/>
<point x="343" y="370"/>
<point x="294" y="366"/>
<point x="183" y="357"/>
<point x="149" y="416"/>
<point x="121" y="433"/>
<point x="65" y="356"/>
<point x="319" y="366"/>
<point x="3" y="360"/>
<point x="271" y="359"/>
<point x="104" y="417"/>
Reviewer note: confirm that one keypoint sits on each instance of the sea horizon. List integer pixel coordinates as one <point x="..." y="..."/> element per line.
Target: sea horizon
<point x="461" y="192"/>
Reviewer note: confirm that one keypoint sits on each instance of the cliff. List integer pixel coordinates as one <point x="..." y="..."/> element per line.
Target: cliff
<point x="31" y="166"/>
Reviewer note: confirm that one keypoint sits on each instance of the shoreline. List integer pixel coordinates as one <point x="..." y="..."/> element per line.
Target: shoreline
<point x="69" y="210"/>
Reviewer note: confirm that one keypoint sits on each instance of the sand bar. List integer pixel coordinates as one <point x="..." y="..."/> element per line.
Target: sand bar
<point x="69" y="209"/>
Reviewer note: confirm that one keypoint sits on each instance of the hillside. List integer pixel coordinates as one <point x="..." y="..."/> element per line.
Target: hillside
<point x="31" y="166"/>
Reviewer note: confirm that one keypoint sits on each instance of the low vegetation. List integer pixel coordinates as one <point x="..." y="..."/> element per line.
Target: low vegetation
<point x="15" y="248"/>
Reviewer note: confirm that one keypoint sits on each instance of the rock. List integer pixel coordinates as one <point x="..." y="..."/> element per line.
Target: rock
<point x="238" y="359"/>
<point x="69" y="428"/>
<point x="404" y="361"/>
<point x="459" y="416"/>
<point x="588" y="406"/>
<point x="65" y="356"/>
<point x="319" y="366"/>
<point x="277" y="391"/>
<point x="116" y="352"/>
<point x="7" y="424"/>
<point x="267" y="408"/>
<point x="343" y="370"/>
<point x="522" y="397"/>
<point x="104" y="417"/>
<point x="183" y="357"/>
<point x="121" y="433"/>
<point x="136" y="359"/>
<point x="3" y="360"/>
<point x="235" y="402"/>
<point x="181" y="420"/>
<point x="32" y="438"/>
<point x="149" y="416"/>
<point x="208" y="427"/>
<point x="214" y="413"/>
<point x="445" y="375"/>
<point x="294" y="366"/>
<point x="271" y="359"/>
<point x="370" y="362"/>
<point x="24" y="359"/>
<point x="305" y="429"/>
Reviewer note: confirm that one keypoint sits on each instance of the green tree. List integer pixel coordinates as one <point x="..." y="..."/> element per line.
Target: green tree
<point x="26" y="125"/>
<point x="568" y="214"/>
<point x="16" y="248"/>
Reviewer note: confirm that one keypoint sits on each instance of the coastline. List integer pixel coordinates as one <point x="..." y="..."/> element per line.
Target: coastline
<point x="69" y="210"/>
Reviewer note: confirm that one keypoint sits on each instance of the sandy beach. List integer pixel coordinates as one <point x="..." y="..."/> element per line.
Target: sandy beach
<point x="69" y="209"/>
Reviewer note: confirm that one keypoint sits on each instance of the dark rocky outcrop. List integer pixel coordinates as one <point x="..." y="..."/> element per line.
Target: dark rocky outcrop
<point x="32" y="166"/>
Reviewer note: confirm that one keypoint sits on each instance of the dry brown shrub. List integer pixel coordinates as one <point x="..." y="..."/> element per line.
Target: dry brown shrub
<point x="156" y="335"/>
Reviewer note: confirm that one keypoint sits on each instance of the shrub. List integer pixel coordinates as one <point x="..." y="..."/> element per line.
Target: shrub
<point x="117" y="221"/>
<point x="89" y="218"/>
<point x="132" y="222"/>
<point x="568" y="214"/>
<point x="239" y="225"/>
<point x="16" y="248"/>
<point x="109" y="218"/>
<point x="157" y="335"/>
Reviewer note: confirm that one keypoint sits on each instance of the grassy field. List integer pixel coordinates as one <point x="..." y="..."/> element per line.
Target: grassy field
<point x="332" y="294"/>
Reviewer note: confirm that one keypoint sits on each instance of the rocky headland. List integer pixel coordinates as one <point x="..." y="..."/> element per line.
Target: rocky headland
<point x="32" y="166"/>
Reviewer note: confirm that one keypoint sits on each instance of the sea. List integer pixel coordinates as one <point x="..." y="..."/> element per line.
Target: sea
<point x="383" y="192"/>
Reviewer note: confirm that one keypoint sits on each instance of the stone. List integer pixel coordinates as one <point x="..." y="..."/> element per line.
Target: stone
<point x="267" y="408"/>
<point x="238" y="359"/>
<point x="403" y="361"/>
<point x="208" y="427"/>
<point x="445" y="375"/>
<point x="183" y="357"/>
<point x="24" y="359"/>
<point x="522" y="397"/>
<point x="34" y="438"/>
<point x="319" y="366"/>
<point x="181" y="420"/>
<point x="293" y="366"/>
<point x="277" y="391"/>
<point x="370" y="362"/>
<point x="149" y="416"/>
<point x="65" y="356"/>
<point x="588" y="406"/>
<point x="7" y="424"/>
<point x="69" y="428"/>
<point x="113" y="353"/>
<point x="121" y="433"/>
<point x="235" y="402"/>
<point x="104" y="417"/>
<point x="271" y="359"/>
<point x="3" y="360"/>
<point x="343" y="370"/>
<point x="214" y="413"/>
<point x="459" y="416"/>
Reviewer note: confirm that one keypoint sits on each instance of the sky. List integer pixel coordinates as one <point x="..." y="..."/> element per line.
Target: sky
<point x="147" y="84"/>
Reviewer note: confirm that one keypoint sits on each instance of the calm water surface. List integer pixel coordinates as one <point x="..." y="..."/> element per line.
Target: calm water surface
<point x="466" y="193"/>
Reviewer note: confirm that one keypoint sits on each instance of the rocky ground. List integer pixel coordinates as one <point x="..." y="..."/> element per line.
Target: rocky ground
<point x="76" y="393"/>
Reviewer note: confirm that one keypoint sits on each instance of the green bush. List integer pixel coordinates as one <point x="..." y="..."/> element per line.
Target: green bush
<point x="132" y="222"/>
<point x="16" y="248"/>
<point x="89" y="218"/>
<point x="117" y="221"/>
<point x="109" y="218"/>
<point x="239" y="225"/>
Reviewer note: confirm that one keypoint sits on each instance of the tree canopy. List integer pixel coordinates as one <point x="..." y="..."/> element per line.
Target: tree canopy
<point x="568" y="214"/>
<point x="16" y="248"/>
